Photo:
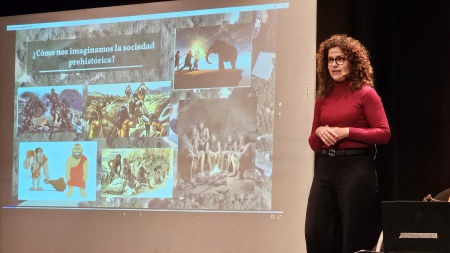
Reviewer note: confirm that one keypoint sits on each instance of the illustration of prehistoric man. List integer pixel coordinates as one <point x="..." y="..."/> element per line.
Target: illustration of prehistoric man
<point x="214" y="152"/>
<point x="31" y="162"/>
<point x="158" y="129"/>
<point x="128" y="92"/>
<point x="187" y="61"/>
<point x="196" y="59"/>
<point x="77" y="170"/>
<point x="143" y="116"/>
<point x="143" y="178"/>
<point x="95" y="126"/>
<point x="242" y="157"/>
<point x="128" y="176"/>
<point x="132" y="104"/>
<point x="142" y="91"/>
<point x="123" y="123"/>
<point x="177" y="60"/>
<point x="66" y="116"/>
<point x="203" y="134"/>
<point x="192" y="153"/>
<point x="54" y="100"/>
<point x="115" y="167"/>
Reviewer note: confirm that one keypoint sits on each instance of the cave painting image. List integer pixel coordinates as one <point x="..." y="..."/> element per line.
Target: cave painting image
<point x="120" y="111"/>
<point x="217" y="150"/>
<point x="138" y="172"/>
<point x="213" y="56"/>
<point x="48" y="110"/>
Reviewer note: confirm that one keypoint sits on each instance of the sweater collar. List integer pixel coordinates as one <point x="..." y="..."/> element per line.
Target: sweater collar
<point x="340" y="83"/>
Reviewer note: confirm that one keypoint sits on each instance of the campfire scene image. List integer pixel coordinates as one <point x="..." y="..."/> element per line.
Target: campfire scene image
<point x="216" y="152"/>
<point x="213" y="56"/>
<point x="128" y="110"/>
<point x="143" y="173"/>
<point x="43" y="111"/>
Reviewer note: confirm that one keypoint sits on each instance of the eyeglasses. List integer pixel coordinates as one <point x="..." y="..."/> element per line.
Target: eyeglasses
<point x="339" y="60"/>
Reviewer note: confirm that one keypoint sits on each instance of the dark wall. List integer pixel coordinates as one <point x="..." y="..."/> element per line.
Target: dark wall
<point x="31" y="6"/>
<point x="409" y="42"/>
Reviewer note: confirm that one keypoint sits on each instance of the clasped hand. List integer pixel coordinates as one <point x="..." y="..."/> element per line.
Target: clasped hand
<point x="330" y="135"/>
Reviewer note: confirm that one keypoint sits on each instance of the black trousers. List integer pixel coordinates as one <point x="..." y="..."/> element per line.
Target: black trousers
<point x="343" y="214"/>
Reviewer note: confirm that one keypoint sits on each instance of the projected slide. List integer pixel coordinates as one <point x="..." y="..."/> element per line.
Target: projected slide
<point x="170" y="111"/>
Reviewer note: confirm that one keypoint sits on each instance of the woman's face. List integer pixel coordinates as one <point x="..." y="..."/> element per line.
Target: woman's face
<point x="338" y="65"/>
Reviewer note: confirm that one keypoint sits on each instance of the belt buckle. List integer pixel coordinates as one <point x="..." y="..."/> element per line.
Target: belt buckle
<point x="331" y="152"/>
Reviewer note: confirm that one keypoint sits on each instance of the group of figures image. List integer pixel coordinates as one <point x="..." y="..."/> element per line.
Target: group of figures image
<point x="225" y="52"/>
<point x="43" y="111"/>
<point x="108" y="114"/>
<point x="213" y="56"/>
<point x="72" y="171"/>
<point x="130" y="172"/>
<point x="121" y="116"/>
<point x="202" y="147"/>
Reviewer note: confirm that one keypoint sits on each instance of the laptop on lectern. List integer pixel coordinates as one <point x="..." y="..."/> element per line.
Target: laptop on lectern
<point x="416" y="227"/>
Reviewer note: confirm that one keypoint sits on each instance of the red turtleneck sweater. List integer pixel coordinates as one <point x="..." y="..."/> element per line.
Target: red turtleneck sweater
<point x="361" y="111"/>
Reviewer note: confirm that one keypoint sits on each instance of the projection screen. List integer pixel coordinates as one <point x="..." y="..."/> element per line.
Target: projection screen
<point x="161" y="124"/>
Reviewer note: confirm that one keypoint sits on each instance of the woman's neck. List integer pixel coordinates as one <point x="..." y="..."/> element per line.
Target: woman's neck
<point x="345" y="81"/>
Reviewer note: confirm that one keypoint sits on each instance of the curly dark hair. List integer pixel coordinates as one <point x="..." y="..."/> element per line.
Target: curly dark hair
<point x="361" y="71"/>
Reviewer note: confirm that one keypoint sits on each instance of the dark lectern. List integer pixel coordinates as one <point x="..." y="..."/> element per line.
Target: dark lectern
<point x="416" y="226"/>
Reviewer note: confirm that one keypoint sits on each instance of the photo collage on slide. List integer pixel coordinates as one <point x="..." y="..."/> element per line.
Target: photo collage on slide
<point x="174" y="113"/>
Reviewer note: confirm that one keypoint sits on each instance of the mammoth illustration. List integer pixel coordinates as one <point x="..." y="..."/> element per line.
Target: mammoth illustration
<point x="226" y="52"/>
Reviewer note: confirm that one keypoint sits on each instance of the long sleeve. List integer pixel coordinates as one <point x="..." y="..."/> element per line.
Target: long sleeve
<point x="314" y="141"/>
<point x="361" y="111"/>
<point x="378" y="131"/>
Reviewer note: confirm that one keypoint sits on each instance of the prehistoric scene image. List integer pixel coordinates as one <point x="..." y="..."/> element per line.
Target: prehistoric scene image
<point x="109" y="96"/>
<point x="43" y="111"/>
<point x="57" y="170"/>
<point x="118" y="112"/>
<point x="138" y="172"/>
<point x="213" y="56"/>
<point x="216" y="146"/>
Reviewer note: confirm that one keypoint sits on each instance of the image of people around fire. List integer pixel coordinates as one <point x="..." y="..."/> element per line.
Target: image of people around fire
<point x="216" y="152"/>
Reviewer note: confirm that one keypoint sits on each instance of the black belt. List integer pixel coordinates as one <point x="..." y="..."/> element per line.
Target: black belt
<point x="353" y="151"/>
